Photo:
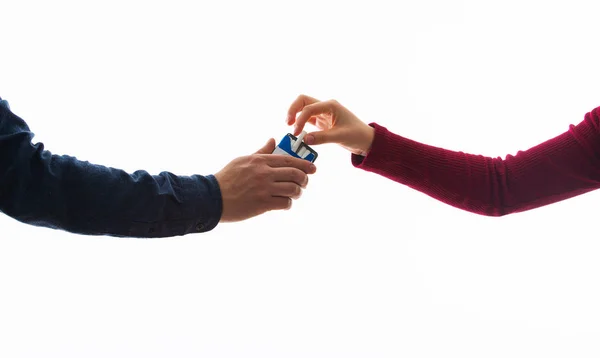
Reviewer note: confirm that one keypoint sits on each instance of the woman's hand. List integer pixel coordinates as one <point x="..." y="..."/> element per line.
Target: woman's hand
<point x="336" y="124"/>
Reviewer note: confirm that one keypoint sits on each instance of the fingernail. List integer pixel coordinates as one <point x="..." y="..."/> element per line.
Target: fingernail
<point x="313" y="168"/>
<point x="309" y="139"/>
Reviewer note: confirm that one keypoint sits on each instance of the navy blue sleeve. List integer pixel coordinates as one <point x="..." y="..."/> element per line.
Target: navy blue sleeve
<point x="61" y="192"/>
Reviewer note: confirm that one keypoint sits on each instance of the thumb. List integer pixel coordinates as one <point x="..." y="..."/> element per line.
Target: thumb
<point x="322" y="137"/>
<point x="267" y="148"/>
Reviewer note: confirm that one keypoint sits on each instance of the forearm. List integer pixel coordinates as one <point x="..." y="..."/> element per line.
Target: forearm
<point x="62" y="192"/>
<point x="560" y="168"/>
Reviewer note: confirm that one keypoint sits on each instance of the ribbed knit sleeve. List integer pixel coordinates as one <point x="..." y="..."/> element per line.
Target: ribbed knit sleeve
<point x="560" y="168"/>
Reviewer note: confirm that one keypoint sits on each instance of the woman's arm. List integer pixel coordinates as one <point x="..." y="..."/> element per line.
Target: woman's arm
<point x="560" y="168"/>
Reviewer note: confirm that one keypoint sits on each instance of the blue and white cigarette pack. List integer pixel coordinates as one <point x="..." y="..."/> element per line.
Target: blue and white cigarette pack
<point x="303" y="151"/>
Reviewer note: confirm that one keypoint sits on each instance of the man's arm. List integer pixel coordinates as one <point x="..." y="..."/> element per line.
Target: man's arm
<point x="61" y="192"/>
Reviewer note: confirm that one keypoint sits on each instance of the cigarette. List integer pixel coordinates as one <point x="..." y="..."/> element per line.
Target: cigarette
<point x="303" y="152"/>
<point x="298" y="142"/>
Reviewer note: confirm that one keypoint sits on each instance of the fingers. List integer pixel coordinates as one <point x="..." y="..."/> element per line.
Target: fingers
<point x="282" y="161"/>
<point x="326" y="136"/>
<point x="291" y="175"/>
<point x="297" y="106"/>
<point x="310" y="111"/>
<point x="280" y="203"/>
<point x="288" y="190"/>
<point x="268" y="148"/>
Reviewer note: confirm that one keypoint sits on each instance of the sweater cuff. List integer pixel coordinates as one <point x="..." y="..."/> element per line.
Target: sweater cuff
<point x="380" y="149"/>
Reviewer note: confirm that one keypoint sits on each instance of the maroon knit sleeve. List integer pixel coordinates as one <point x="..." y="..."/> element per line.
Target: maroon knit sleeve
<point x="560" y="168"/>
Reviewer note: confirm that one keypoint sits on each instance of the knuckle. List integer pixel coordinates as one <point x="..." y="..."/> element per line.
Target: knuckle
<point x="259" y="177"/>
<point x="301" y="177"/>
<point x="305" y="168"/>
<point x="293" y="175"/>
<point x="256" y="159"/>
<point x="264" y="196"/>
<point x="263" y="175"/>
<point x="289" y="161"/>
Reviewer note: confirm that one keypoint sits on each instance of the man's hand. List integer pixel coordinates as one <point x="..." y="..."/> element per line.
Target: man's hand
<point x="261" y="182"/>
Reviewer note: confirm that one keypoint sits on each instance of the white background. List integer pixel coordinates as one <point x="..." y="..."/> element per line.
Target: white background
<point x="361" y="266"/>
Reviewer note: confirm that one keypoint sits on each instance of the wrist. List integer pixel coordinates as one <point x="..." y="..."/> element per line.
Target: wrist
<point x="367" y="140"/>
